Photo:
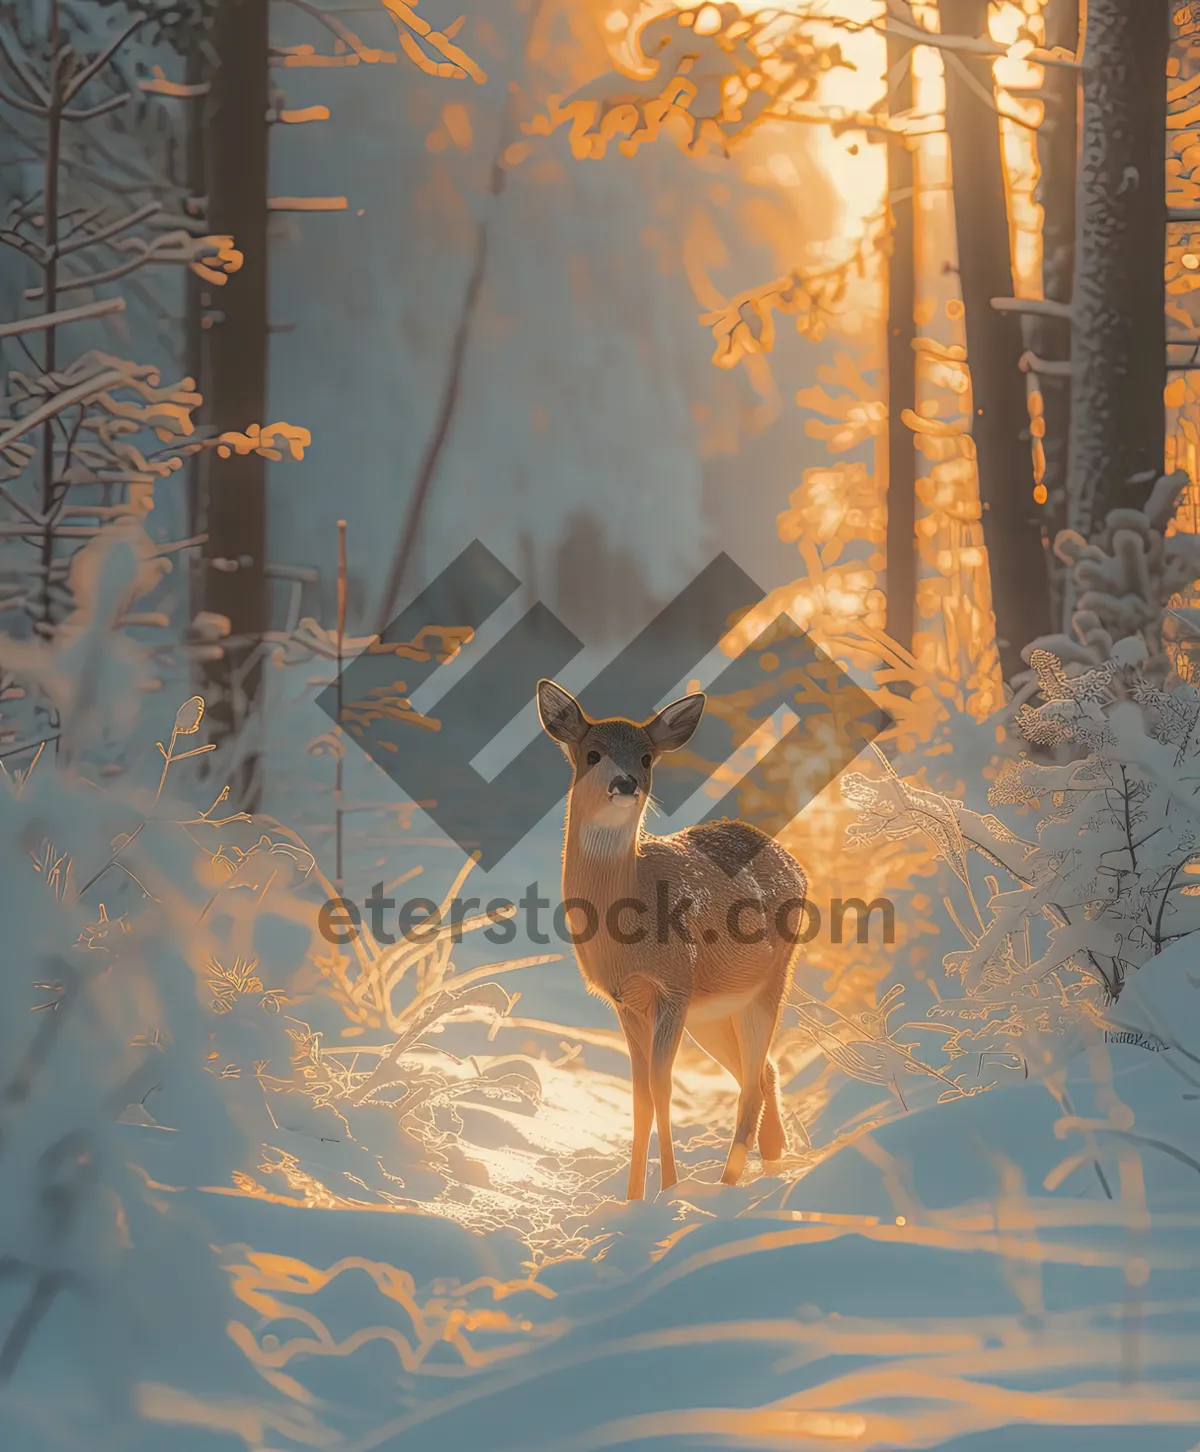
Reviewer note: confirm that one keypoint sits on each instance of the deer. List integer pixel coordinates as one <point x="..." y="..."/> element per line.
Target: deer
<point x="721" y="964"/>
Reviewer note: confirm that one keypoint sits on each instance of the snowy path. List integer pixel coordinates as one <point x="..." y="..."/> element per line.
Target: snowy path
<point x="955" y="1279"/>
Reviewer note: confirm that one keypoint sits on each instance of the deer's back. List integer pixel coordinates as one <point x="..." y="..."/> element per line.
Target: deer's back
<point x="741" y="884"/>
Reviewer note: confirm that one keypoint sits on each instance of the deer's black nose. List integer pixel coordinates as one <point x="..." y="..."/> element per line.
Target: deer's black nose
<point x="622" y="786"/>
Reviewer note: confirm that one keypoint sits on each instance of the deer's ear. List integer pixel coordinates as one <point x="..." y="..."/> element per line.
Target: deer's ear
<point x="675" y="724"/>
<point x="560" y="714"/>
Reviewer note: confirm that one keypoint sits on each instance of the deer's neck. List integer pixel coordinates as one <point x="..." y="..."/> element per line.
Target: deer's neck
<point x="600" y="863"/>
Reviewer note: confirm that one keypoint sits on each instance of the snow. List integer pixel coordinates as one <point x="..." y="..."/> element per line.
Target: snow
<point x="234" y="1216"/>
<point x="237" y="1264"/>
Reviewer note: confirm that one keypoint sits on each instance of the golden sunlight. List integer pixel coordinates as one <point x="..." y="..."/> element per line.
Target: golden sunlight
<point x="399" y="1086"/>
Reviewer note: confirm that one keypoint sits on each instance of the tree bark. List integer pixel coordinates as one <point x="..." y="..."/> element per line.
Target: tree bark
<point x="1119" y="329"/>
<point x="50" y="205"/>
<point x="196" y="289"/>
<point x="902" y="473"/>
<point x="1058" y="160"/>
<point x="233" y="490"/>
<point x="1000" y="426"/>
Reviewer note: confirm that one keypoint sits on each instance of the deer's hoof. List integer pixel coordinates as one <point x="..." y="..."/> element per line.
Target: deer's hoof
<point x="734" y="1165"/>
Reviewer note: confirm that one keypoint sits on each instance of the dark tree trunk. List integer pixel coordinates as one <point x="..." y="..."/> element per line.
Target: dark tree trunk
<point x="1000" y="427"/>
<point x="1058" y="159"/>
<point x="196" y="290"/>
<point x="233" y="490"/>
<point x="1118" y="328"/>
<point x="901" y="365"/>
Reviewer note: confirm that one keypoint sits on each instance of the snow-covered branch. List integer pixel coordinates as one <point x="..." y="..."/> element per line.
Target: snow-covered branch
<point x="1035" y="307"/>
<point x="169" y="247"/>
<point x="983" y="46"/>
<point x="1030" y="362"/>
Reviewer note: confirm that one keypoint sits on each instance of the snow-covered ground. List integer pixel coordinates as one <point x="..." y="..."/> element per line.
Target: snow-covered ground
<point x="213" y="1236"/>
<point x="253" y="1257"/>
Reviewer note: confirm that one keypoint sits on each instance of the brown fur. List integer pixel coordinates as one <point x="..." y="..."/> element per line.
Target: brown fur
<point x="726" y="994"/>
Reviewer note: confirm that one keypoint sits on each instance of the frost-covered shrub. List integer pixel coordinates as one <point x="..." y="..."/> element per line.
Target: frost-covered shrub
<point x="107" y="1105"/>
<point x="170" y="1019"/>
<point x="1095" y="885"/>
<point x="1125" y="578"/>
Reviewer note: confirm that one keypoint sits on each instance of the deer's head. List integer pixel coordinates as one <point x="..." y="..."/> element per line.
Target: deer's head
<point x="613" y="760"/>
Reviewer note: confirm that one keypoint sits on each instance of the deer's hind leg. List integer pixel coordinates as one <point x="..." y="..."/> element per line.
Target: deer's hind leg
<point x="753" y="1028"/>
<point x="772" y="1137"/>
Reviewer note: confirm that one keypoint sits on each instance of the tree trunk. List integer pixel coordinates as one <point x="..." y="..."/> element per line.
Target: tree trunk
<point x="196" y="290"/>
<point x="902" y="472"/>
<point x="235" y="366"/>
<point x="1000" y="427"/>
<point x="1058" y="160"/>
<point x="51" y="196"/>
<point x="1118" y="426"/>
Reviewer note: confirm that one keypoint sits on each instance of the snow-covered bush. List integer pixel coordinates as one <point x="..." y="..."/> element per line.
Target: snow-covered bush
<point x="165" y="996"/>
<point x="1124" y="580"/>
<point x="108" y="1103"/>
<point x="1098" y="851"/>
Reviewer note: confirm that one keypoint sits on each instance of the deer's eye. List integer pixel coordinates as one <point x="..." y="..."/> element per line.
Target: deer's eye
<point x="646" y="760"/>
<point x="593" y="758"/>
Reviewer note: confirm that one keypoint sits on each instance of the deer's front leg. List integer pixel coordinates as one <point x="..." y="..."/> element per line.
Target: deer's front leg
<point x="638" y="1035"/>
<point x="668" y="1030"/>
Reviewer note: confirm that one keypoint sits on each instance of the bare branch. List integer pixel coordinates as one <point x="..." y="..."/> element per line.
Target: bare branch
<point x="62" y="531"/>
<point x="81" y="78"/>
<point x="1036" y="306"/>
<point x="22" y="73"/>
<point x="75" y="218"/>
<point x="345" y="35"/>
<point x="153" y="251"/>
<point x="22" y="508"/>
<point x="970" y="45"/>
<point x="18" y="104"/>
<point x="838" y="117"/>
<point x="1031" y="363"/>
<point x="307" y="204"/>
<point x="160" y="86"/>
<point x="67" y="315"/>
<point x="62" y="401"/>
<point x="298" y="117"/>
<point x="113" y="229"/>
<point x="114" y="103"/>
<point x="75" y="168"/>
<point x="23" y="245"/>
<point x="176" y="545"/>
